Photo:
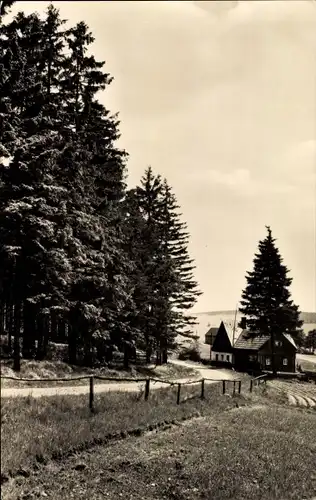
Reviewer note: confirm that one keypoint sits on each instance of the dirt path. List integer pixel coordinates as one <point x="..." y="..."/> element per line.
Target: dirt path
<point x="38" y="392"/>
<point x="307" y="357"/>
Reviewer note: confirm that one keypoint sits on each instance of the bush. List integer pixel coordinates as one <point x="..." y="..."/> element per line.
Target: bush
<point x="191" y="352"/>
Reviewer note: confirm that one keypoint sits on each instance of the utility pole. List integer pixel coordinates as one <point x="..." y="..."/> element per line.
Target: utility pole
<point x="234" y="328"/>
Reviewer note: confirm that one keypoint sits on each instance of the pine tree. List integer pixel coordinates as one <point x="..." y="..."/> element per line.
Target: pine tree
<point x="5" y="7"/>
<point x="142" y="244"/>
<point x="164" y="283"/>
<point x="310" y="340"/>
<point x="266" y="300"/>
<point x="61" y="190"/>
<point x="183" y="288"/>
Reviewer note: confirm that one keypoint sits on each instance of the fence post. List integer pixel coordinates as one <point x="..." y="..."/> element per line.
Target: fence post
<point x="147" y="389"/>
<point x="91" y="394"/>
<point x="224" y="386"/>
<point x="234" y="389"/>
<point x="251" y="384"/>
<point x="178" y="395"/>
<point x="202" y="388"/>
<point x="239" y="387"/>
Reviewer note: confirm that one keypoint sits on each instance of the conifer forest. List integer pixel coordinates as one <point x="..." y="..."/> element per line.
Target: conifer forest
<point x="84" y="260"/>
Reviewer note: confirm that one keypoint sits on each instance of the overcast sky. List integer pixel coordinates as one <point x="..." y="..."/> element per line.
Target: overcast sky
<point x="220" y="98"/>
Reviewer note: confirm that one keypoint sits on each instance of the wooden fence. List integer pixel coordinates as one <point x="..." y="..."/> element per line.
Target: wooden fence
<point x="236" y="385"/>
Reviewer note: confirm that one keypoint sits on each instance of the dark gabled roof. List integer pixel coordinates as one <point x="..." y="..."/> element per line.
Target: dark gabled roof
<point x="290" y="339"/>
<point x="244" y="342"/>
<point x="212" y="331"/>
<point x="233" y="336"/>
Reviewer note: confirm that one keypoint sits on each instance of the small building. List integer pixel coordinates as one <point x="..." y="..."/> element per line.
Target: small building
<point x="210" y="335"/>
<point x="222" y="351"/>
<point x="255" y="354"/>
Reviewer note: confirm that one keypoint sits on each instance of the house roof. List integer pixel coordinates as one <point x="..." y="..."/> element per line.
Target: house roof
<point x="244" y="342"/>
<point x="290" y="339"/>
<point x="212" y="331"/>
<point x="231" y="335"/>
<point x="230" y="332"/>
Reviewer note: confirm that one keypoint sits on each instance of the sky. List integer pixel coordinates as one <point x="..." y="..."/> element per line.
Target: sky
<point x="219" y="98"/>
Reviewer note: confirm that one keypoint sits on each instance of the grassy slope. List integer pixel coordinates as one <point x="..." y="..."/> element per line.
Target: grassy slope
<point x="44" y="427"/>
<point x="259" y="451"/>
<point x="57" y="369"/>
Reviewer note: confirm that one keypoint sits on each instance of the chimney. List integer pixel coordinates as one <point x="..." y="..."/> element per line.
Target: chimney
<point x="243" y="323"/>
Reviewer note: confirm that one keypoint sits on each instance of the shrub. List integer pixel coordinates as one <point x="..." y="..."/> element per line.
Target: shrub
<point x="191" y="352"/>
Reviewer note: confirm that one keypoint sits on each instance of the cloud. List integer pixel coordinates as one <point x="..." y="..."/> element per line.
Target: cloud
<point x="240" y="182"/>
<point x="297" y="166"/>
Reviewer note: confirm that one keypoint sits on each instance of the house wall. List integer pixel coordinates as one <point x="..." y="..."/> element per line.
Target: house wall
<point x="283" y="351"/>
<point x="222" y="357"/>
<point x="281" y="365"/>
<point x="246" y="359"/>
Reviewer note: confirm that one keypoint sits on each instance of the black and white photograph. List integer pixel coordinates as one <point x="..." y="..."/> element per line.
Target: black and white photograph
<point x="158" y="249"/>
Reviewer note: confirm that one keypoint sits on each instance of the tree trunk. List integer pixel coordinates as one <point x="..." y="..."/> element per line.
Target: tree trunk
<point x="148" y="355"/>
<point x="158" y="357"/>
<point x="87" y="352"/>
<point x="164" y="356"/>
<point x="53" y="327"/>
<point x="42" y="341"/>
<point x="61" y="330"/>
<point x="72" y="345"/>
<point x="45" y="323"/>
<point x="126" y="357"/>
<point x="17" y="328"/>
<point x="10" y="323"/>
<point x="29" y="329"/>
<point x="1" y="317"/>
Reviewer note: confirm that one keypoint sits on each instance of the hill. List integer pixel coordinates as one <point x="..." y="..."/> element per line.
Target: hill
<point x="213" y="318"/>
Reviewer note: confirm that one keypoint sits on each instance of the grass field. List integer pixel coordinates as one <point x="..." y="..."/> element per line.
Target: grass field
<point x="258" y="451"/>
<point x="34" y="430"/>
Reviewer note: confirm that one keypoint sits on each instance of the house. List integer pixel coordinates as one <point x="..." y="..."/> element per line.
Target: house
<point x="236" y="348"/>
<point x="210" y="335"/>
<point x="222" y="351"/>
<point x="255" y="354"/>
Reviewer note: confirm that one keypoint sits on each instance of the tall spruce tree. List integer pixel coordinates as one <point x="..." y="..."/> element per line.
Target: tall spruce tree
<point x="266" y="300"/>
<point x="164" y="283"/>
<point x="143" y="247"/>
<point x="183" y="291"/>
<point x="60" y="190"/>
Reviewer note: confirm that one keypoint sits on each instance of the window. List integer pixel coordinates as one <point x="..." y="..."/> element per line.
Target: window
<point x="278" y="343"/>
<point x="252" y="357"/>
<point x="227" y="357"/>
<point x="285" y="361"/>
<point x="222" y="357"/>
<point x="268" y="361"/>
<point x="216" y="357"/>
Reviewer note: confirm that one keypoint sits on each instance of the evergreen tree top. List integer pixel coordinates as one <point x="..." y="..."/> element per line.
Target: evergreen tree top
<point x="266" y="299"/>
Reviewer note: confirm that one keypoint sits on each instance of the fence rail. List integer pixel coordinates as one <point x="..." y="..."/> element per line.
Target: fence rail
<point x="147" y="381"/>
<point x="255" y="382"/>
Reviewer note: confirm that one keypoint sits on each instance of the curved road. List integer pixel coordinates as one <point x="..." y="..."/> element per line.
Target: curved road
<point x="37" y="392"/>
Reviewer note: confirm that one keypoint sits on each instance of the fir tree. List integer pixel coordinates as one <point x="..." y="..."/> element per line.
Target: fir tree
<point x="183" y="288"/>
<point x="61" y="237"/>
<point x="143" y="246"/>
<point x="266" y="300"/>
<point x="164" y="283"/>
<point x="5" y="7"/>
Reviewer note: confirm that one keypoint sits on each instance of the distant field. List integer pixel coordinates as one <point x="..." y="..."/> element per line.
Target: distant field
<point x="209" y="319"/>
